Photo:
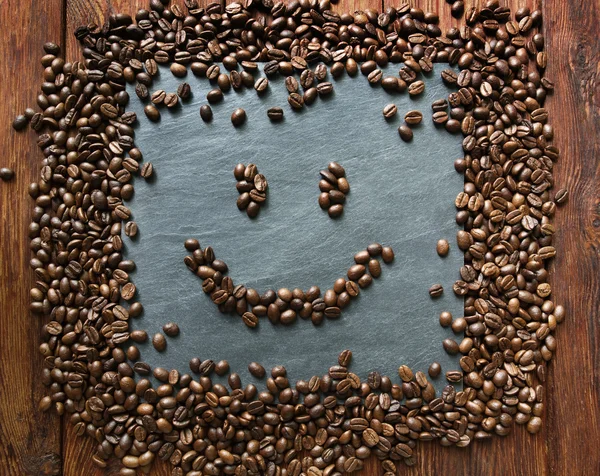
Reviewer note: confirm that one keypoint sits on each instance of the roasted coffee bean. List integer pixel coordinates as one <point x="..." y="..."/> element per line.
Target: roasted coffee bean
<point x="159" y="342"/>
<point x="442" y="247"/>
<point x="296" y="101"/>
<point x="390" y="111"/>
<point x="436" y="290"/>
<point x="405" y="132"/>
<point x="184" y="91"/>
<point x="147" y="170"/>
<point x="336" y="211"/>
<point x="387" y="254"/>
<point x="152" y="113"/>
<point x="275" y="114"/>
<point x="435" y="369"/>
<point x="206" y="113"/>
<point x="6" y="174"/>
<point x="413" y="118"/>
<point x="214" y="96"/>
<point x="20" y="122"/>
<point x="222" y="368"/>
<point x="171" y="329"/>
<point x="256" y="370"/>
<point x="250" y="319"/>
<point x="445" y="319"/>
<point x="238" y="117"/>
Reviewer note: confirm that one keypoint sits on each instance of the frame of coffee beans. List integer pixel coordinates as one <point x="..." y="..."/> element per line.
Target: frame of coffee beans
<point x="83" y="287"/>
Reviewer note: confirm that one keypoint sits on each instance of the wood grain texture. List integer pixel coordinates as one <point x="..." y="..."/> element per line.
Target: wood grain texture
<point x="29" y="440"/>
<point x="567" y="444"/>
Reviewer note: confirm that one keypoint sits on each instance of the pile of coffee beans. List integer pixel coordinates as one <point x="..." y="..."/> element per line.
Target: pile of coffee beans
<point x="83" y="286"/>
<point x="334" y="187"/>
<point x="284" y="305"/>
<point x="252" y="188"/>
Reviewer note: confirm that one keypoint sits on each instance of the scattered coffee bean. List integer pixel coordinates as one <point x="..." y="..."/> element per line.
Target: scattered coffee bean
<point x="442" y="247"/>
<point x="6" y="174"/>
<point x="435" y="369"/>
<point x="152" y="113"/>
<point x="275" y="114"/>
<point x="20" y="122"/>
<point x="238" y="117"/>
<point x="445" y="319"/>
<point x="206" y="113"/>
<point x="171" y="329"/>
<point x="256" y="370"/>
<point x="413" y="118"/>
<point x="436" y="290"/>
<point x="159" y="342"/>
<point x="405" y="132"/>
<point x="390" y="111"/>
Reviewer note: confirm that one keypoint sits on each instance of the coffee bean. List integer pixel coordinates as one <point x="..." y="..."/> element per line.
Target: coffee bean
<point x="387" y="254"/>
<point x="206" y="113"/>
<point x="131" y="229"/>
<point x="275" y="114"/>
<point x="214" y="96"/>
<point x="435" y="369"/>
<point x="390" y="111"/>
<point x="256" y="370"/>
<point x="238" y="117"/>
<point x="171" y="100"/>
<point x="147" y="170"/>
<point x="296" y="101"/>
<point x="413" y="118"/>
<point x="171" y="329"/>
<point x="159" y="342"/>
<point x="356" y="271"/>
<point x="336" y="211"/>
<point x="345" y="358"/>
<point x="6" y="174"/>
<point x="336" y="169"/>
<point x="442" y="247"/>
<point x="20" y="122"/>
<point x="450" y="346"/>
<point x="561" y="196"/>
<point x="405" y="132"/>
<point x="158" y="97"/>
<point x="436" y="290"/>
<point x="152" y="113"/>
<point x="252" y="209"/>
<point x="222" y="368"/>
<point x="184" y="91"/>
<point x="445" y="319"/>
<point x="343" y="185"/>
<point x="260" y="183"/>
<point x="261" y="85"/>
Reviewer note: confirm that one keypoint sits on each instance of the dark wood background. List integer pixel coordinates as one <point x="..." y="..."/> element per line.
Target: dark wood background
<point x="33" y="443"/>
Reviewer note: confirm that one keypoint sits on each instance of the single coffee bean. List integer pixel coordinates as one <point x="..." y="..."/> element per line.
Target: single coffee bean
<point x="413" y="118"/>
<point x="336" y="169"/>
<point x="158" y="97"/>
<point x="435" y="369"/>
<point x="450" y="346"/>
<point x="152" y="113"/>
<point x="6" y="174"/>
<point x="20" y="122"/>
<point x="206" y="113"/>
<point x="159" y="342"/>
<point x="184" y="91"/>
<point x="561" y="196"/>
<point x="324" y="201"/>
<point x="214" y="96"/>
<point x="374" y="249"/>
<point x="291" y="84"/>
<point x="147" y="170"/>
<point x="238" y="172"/>
<point x="222" y="368"/>
<point x="250" y="319"/>
<point x="260" y="183"/>
<point x="416" y="88"/>
<point x="252" y="209"/>
<point x="442" y="247"/>
<point x="345" y="358"/>
<point x="387" y="254"/>
<point x="238" y="117"/>
<point x="171" y="100"/>
<point x="390" y="111"/>
<point x="296" y="101"/>
<point x="261" y="85"/>
<point x="131" y="229"/>
<point x="336" y="211"/>
<point x="406" y="133"/>
<point x="436" y="290"/>
<point x="256" y="370"/>
<point x="445" y="318"/>
<point x="275" y="114"/>
<point x="171" y="329"/>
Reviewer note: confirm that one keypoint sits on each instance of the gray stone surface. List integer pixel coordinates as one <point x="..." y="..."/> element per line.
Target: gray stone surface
<point x="402" y="195"/>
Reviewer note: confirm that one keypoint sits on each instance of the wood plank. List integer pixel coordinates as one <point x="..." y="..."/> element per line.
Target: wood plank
<point x="573" y="421"/>
<point x="29" y="439"/>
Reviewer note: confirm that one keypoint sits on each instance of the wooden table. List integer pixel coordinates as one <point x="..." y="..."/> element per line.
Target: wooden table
<point x="33" y="443"/>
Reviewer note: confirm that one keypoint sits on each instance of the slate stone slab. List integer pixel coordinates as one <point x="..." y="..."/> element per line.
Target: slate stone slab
<point x="402" y="195"/>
